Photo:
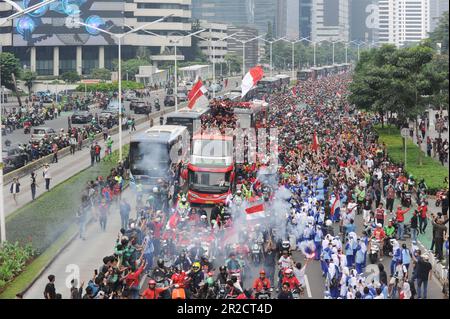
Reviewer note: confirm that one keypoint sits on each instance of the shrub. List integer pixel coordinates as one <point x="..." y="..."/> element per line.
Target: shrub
<point x="13" y="259"/>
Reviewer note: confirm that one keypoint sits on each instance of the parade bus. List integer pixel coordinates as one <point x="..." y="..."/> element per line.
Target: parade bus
<point x="285" y="80"/>
<point x="210" y="172"/>
<point x="251" y="114"/>
<point x="153" y="152"/>
<point x="187" y="117"/>
<point x="267" y="86"/>
<point x="304" y="75"/>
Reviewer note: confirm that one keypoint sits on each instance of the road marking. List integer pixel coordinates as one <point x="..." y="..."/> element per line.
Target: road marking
<point x="308" y="289"/>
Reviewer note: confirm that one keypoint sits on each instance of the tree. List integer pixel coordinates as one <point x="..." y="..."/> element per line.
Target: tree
<point x="101" y="74"/>
<point x="440" y="34"/>
<point x="29" y="77"/>
<point x="234" y="61"/>
<point x="9" y="68"/>
<point x="131" y="67"/>
<point x="70" y="77"/>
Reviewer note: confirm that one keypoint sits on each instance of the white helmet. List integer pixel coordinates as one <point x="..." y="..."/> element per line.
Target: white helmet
<point x="328" y="223"/>
<point x="183" y="199"/>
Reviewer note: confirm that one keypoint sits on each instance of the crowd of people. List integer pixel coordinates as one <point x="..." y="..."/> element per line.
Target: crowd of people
<point x="331" y="206"/>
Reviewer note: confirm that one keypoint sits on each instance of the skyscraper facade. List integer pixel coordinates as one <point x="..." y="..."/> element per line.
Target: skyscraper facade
<point x="330" y="20"/>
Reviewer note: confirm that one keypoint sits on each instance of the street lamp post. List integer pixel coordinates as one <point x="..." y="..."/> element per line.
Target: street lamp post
<point x="20" y="12"/>
<point x="175" y="43"/>
<point x="213" y="58"/>
<point x="243" y="50"/>
<point x="293" y="42"/>
<point x="119" y="37"/>
<point x="271" y="52"/>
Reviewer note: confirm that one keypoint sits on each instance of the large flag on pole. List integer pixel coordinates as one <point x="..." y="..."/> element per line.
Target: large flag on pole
<point x="315" y="144"/>
<point x="255" y="212"/>
<point x="251" y="79"/>
<point x="197" y="96"/>
<point x="336" y="208"/>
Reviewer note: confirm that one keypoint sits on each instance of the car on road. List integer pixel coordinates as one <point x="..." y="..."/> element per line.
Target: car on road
<point x="169" y="100"/>
<point x="133" y="103"/>
<point x="130" y="95"/>
<point x="105" y="115"/>
<point x="15" y="156"/>
<point x="39" y="133"/>
<point x="142" y="108"/>
<point x="114" y="106"/>
<point x="81" y="117"/>
<point x="216" y="87"/>
<point x="189" y="85"/>
<point x="182" y="97"/>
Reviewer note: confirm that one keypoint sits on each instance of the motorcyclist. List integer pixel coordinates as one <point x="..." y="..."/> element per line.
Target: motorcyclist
<point x="262" y="283"/>
<point x="288" y="277"/>
<point x="152" y="292"/>
<point x="197" y="251"/>
<point x="183" y="204"/>
<point x="183" y="261"/>
<point x="237" y="198"/>
<point x="232" y="263"/>
<point x="179" y="277"/>
<point x="222" y="277"/>
<point x="196" y="276"/>
<point x="160" y="269"/>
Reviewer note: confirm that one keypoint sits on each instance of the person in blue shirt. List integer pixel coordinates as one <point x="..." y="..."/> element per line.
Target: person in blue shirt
<point x="406" y="256"/>
<point x="349" y="254"/>
<point x="367" y="294"/>
<point x="351" y="227"/>
<point x="396" y="251"/>
<point x="359" y="257"/>
<point x="318" y="236"/>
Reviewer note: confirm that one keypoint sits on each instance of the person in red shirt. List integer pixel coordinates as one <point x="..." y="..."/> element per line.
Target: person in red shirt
<point x="179" y="277"/>
<point x="132" y="280"/>
<point x="379" y="235"/>
<point x="379" y="214"/>
<point x="290" y="279"/>
<point x="400" y="217"/>
<point x="262" y="282"/>
<point x="245" y="295"/>
<point x="152" y="292"/>
<point x="422" y="209"/>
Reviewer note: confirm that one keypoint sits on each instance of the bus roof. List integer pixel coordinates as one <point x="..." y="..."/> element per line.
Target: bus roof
<point x="282" y="76"/>
<point x="160" y="133"/>
<point x="269" y="79"/>
<point x="187" y="113"/>
<point x="202" y="136"/>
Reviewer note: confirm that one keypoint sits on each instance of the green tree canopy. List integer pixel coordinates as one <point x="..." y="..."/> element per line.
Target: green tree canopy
<point x="440" y="34"/>
<point x="101" y="74"/>
<point x="9" y="64"/>
<point x="70" y="77"/>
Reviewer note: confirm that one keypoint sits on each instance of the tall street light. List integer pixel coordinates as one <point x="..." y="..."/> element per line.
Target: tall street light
<point x="214" y="54"/>
<point x="244" y="42"/>
<point x="293" y="42"/>
<point x="20" y="12"/>
<point x="271" y="55"/>
<point x="119" y="37"/>
<point x="175" y="43"/>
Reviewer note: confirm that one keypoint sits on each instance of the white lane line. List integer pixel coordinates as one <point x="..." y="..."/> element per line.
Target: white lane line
<point x="308" y="289"/>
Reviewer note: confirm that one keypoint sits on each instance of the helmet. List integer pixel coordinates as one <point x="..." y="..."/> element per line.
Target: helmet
<point x="151" y="282"/>
<point x="155" y="189"/>
<point x="238" y="191"/>
<point x="160" y="262"/>
<point x="196" y="266"/>
<point x="379" y="225"/>
<point x="223" y="268"/>
<point x="183" y="199"/>
<point x="328" y="223"/>
<point x="288" y="271"/>
<point x="262" y="272"/>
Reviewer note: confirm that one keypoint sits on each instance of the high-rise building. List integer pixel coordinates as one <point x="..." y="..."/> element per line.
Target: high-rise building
<point x="437" y="8"/>
<point x="216" y="49"/>
<point x="251" y="48"/>
<point x="49" y="42"/>
<point x="364" y="20"/>
<point x="305" y="7"/>
<point x="403" y="21"/>
<point x="330" y="20"/>
<point x="281" y="18"/>
<point x="251" y="13"/>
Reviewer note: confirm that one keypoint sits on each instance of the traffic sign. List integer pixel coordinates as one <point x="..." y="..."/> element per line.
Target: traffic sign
<point x="405" y="132"/>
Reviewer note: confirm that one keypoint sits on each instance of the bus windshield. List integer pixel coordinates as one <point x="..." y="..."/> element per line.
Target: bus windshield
<point x="212" y="148"/>
<point x="209" y="182"/>
<point x="148" y="158"/>
<point x="188" y="122"/>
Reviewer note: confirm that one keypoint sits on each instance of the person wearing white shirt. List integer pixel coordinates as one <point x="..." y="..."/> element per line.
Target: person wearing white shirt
<point x="47" y="176"/>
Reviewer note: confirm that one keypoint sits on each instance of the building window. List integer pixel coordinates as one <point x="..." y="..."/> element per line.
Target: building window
<point x="110" y="57"/>
<point x="67" y="59"/>
<point x="44" y="60"/>
<point x="90" y="59"/>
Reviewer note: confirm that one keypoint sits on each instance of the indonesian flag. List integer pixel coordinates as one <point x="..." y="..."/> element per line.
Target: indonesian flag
<point x="338" y="94"/>
<point x="315" y="145"/>
<point x="255" y="212"/>
<point x="251" y="78"/>
<point x="294" y="91"/>
<point x="336" y="206"/>
<point x="173" y="221"/>
<point x="197" y="96"/>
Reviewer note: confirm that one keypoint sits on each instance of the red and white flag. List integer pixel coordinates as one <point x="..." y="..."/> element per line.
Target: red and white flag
<point x="255" y="212"/>
<point x="251" y="79"/>
<point x="197" y="96"/>
<point x="315" y="144"/>
<point x="294" y="91"/>
<point x="338" y="94"/>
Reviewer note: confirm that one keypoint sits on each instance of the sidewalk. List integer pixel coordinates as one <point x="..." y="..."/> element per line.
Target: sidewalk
<point x="61" y="171"/>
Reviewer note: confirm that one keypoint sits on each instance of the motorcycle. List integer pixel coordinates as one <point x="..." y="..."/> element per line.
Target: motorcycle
<point x="27" y="127"/>
<point x="264" y="294"/>
<point x="296" y="293"/>
<point x="374" y="251"/>
<point x="157" y="105"/>
<point x="406" y="198"/>
<point x="178" y="292"/>
<point x="221" y="291"/>
<point x="256" y="254"/>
